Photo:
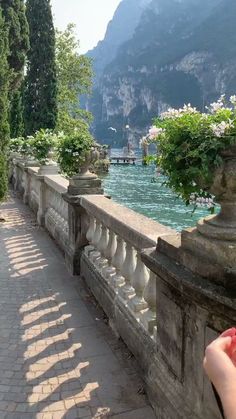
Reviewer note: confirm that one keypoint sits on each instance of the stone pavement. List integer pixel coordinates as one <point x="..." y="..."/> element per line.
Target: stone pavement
<point x="58" y="357"/>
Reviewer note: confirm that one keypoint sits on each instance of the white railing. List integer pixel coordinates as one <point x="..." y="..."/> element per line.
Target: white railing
<point x="116" y="237"/>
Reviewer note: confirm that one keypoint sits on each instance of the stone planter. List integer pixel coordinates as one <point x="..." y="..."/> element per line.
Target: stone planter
<point x="214" y="238"/>
<point x="49" y="167"/>
<point x="223" y="225"/>
<point x="86" y="182"/>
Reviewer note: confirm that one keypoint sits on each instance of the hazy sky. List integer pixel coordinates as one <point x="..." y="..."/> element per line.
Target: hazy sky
<point x="90" y="16"/>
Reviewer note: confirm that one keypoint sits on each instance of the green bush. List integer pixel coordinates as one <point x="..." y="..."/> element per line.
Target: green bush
<point x="72" y="150"/>
<point x="190" y="145"/>
<point x="42" y="143"/>
<point x="3" y="175"/>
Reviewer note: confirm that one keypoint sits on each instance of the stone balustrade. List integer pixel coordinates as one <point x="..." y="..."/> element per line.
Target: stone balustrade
<point x="116" y="237"/>
<point x="150" y="286"/>
<point x="43" y="193"/>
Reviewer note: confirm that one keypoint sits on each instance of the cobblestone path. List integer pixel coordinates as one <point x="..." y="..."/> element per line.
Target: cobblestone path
<point x="58" y="357"/>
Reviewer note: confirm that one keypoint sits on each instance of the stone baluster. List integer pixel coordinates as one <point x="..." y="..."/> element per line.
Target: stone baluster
<point x="27" y="181"/>
<point x="139" y="282"/>
<point x="117" y="280"/>
<point x="102" y="261"/>
<point x="14" y="175"/>
<point x="128" y="271"/>
<point x="95" y="242"/>
<point x="149" y="317"/>
<point x="109" y="269"/>
<point x="90" y="235"/>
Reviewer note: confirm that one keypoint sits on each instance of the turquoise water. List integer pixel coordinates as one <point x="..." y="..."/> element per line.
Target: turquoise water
<point x="133" y="187"/>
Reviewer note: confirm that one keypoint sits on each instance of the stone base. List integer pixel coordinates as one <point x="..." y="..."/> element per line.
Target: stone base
<point x="48" y="170"/>
<point x="213" y="227"/>
<point x="210" y="258"/>
<point x="85" y="186"/>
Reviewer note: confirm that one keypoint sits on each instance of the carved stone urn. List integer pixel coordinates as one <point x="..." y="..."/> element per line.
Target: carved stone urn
<point x="223" y="225"/>
<point x="49" y="167"/>
<point x="86" y="182"/>
<point x="214" y="238"/>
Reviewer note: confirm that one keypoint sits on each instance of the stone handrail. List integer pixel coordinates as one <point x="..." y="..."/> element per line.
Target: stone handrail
<point x="43" y="193"/>
<point x="117" y="236"/>
<point x="157" y="294"/>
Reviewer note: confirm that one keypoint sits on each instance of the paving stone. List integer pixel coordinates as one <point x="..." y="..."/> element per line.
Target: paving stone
<point x="56" y="359"/>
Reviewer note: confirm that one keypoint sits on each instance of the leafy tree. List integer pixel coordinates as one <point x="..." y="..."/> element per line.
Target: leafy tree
<point x="16" y="115"/>
<point x="4" y="85"/>
<point x="40" y="101"/>
<point x="18" y="33"/>
<point x="18" y="36"/>
<point x="74" y="75"/>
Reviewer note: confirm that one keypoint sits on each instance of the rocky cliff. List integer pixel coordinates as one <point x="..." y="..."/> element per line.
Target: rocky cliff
<point x="178" y="51"/>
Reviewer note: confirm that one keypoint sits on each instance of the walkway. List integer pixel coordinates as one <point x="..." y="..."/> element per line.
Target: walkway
<point x="58" y="357"/>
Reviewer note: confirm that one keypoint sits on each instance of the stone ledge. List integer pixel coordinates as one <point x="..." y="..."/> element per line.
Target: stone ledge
<point x="200" y="290"/>
<point x="140" y="231"/>
<point x="57" y="182"/>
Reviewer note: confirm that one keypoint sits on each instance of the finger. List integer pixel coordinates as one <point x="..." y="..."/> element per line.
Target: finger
<point x="232" y="349"/>
<point x="221" y="343"/>
<point x="230" y="332"/>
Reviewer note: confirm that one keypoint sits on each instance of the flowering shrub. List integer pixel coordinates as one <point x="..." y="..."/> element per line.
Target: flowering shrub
<point x="42" y="143"/>
<point x="15" y="144"/>
<point x="20" y="145"/>
<point x="190" y="145"/>
<point x="72" y="150"/>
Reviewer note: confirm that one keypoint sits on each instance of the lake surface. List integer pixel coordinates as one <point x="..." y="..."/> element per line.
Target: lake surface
<point x="137" y="187"/>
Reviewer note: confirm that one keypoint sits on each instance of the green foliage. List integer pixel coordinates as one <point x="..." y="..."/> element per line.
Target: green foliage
<point x="21" y="145"/>
<point x="190" y="145"/>
<point x="43" y="142"/>
<point x="74" y="76"/>
<point x="4" y="126"/>
<point x="72" y="150"/>
<point x="15" y="144"/>
<point x="18" y="37"/>
<point x="40" y="97"/>
<point x="16" y="115"/>
<point x="18" y="33"/>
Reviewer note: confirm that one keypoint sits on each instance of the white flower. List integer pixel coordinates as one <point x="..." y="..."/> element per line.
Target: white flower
<point x="170" y="114"/>
<point x="177" y="113"/>
<point x="219" y="130"/>
<point x="216" y="106"/>
<point x="154" y="132"/>
<point x="188" y="109"/>
<point x="233" y="99"/>
<point x="75" y="154"/>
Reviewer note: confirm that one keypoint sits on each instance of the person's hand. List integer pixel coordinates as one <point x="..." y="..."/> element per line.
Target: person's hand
<point x="220" y="366"/>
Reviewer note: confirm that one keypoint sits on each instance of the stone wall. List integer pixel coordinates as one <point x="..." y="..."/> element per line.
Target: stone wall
<point x="165" y="312"/>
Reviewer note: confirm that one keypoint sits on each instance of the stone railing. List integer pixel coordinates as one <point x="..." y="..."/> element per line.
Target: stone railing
<point x="43" y="193"/>
<point x="156" y="292"/>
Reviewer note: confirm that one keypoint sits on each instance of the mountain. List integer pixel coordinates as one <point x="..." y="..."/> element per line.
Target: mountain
<point x="180" y="51"/>
<point x="120" y="29"/>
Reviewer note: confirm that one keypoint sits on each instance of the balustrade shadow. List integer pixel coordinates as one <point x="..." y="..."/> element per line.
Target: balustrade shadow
<point x="54" y="360"/>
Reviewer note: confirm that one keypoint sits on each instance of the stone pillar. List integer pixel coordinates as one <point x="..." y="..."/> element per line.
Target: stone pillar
<point x="210" y="248"/>
<point x="48" y="169"/>
<point x="85" y="183"/>
<point x="27" y="183"/>
<point x="42" y="201"/>
<point x="190" y="313"/>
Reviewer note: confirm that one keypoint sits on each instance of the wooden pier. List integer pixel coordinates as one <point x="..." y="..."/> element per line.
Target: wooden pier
<point x="123" y="160"/>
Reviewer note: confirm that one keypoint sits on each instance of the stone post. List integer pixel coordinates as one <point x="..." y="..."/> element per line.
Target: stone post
<point x="190" y="312"/>
<point x="50" y="168"/>
<point x="84" y="183"/>
<point x="27" y="183"/>
<point x="210" y="248"/>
